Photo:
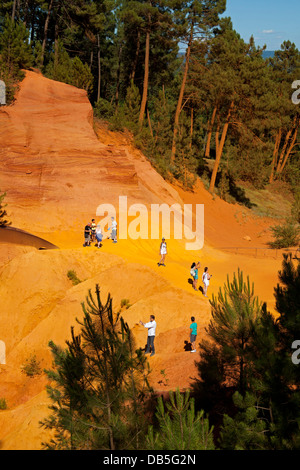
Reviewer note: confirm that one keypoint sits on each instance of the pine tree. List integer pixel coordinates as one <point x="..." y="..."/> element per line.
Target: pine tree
<point x="101" y="384"/>
<point x="225" y="365"/>
<point x="246" y="431"/>
<point x="285" y="66"/>
<point x="180" y="427"/>
<point x="192" y="19"/>
<point x="274" y="378"/>
<point x="14" y="46"/>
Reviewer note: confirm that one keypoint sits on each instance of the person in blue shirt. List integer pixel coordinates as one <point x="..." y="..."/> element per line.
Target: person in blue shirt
<point x="193" y="334"/>
<point x="194" y="271"/>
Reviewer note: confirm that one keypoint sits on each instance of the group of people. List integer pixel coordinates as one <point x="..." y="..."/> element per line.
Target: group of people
<point x="151" y="326"/>
<point x="194" y="268"/>
<point x="93" y="233"/>
<point x="205" y="277"/>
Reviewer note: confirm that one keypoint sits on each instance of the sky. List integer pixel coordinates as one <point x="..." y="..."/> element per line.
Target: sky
<point x="269" y="21"/>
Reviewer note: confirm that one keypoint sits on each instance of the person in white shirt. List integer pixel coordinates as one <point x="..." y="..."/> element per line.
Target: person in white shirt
<point x="113" y="230"/>
<point x="151" y="325"/>
<point x="205" y="279"/>
<point x="99" y="235"/>
<point x="162" y="252"/>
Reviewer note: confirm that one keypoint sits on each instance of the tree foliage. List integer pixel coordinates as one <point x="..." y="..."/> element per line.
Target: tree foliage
<point x="100" y="383"/>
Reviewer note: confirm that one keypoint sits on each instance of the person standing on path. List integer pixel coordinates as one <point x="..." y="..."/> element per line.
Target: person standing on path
<point x="151" y="325"/>
<point x="113" y="230"/>
<point x="205" y="279"/>
<point x="193" y="334"/>
<point x="87" y="235"/>
<point x="162" y="252"/>
<point x="99" y="235"/>
<point x="93" y="230"/>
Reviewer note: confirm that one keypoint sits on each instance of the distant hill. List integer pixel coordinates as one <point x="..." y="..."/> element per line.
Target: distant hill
<point x="267" y="54"/>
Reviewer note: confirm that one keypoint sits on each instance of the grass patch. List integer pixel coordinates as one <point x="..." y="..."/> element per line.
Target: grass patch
<point x="72" y="276"/>
<point x="270" y="202"/>
<point x="125" y="303"/>
<point x="3" y="404"/>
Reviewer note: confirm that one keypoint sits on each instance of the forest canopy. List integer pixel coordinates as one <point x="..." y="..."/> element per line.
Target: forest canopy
<point x="198" y="99"/>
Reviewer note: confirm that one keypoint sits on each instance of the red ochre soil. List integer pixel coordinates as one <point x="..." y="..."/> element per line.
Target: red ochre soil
<point x="57" y="168"/>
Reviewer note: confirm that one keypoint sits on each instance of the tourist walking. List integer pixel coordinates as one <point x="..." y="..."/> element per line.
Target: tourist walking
<point x="151" y="325"/>
<point x="205" y="279"/>
<point x="195" y="274"/>
<point x="162" y="252"/>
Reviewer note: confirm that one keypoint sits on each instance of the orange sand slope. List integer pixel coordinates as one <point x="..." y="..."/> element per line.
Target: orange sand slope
<point x="56" y="171"/>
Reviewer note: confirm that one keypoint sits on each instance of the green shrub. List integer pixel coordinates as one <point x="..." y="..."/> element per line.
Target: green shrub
<point x="3" y="404"/>
<point x="125" y="303"/>
<point x="103" y="109"/>
<point x="69" y="70"/>
<point x="286" y="235"/>
<point x="73" y="277"/>
<point x="32" y="367"/>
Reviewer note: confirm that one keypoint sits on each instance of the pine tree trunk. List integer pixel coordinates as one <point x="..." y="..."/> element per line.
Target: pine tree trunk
<point x="220" y="150"/>
<point x="118" y="76"/>
<point x="146" y="76"/>
<point x="192" y="127"/>
<point x="46" y="32"/>
<point x="286" y="141"/>
<point x="149" y="123"/>
<point x="209" y="135"/>
<point x="13" y="13"/>
<point x="275" y="155"/>
<point x="104" y="358"/>
<point x="217" y="138"/>
<point x="180" y="99"/>
<point x="137" y="51"/>
<point x="32" y="24"/>
<point x="292" y="144"/>
<point x="56" y="48"/>
<point x="25" y="12"/>
<point x="99" y="68"/>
